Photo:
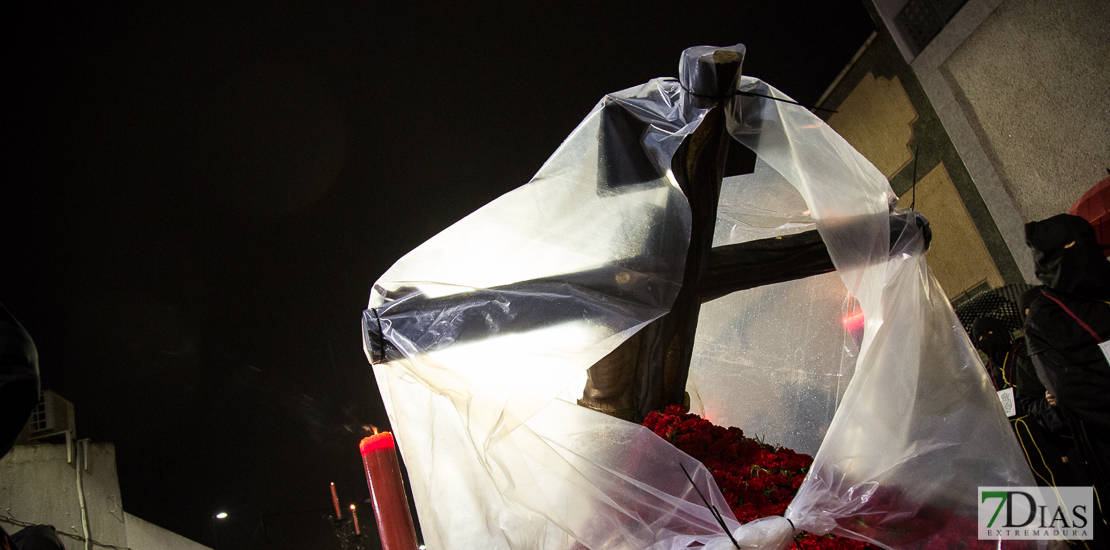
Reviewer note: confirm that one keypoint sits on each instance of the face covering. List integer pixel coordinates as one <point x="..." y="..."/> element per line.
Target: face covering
<point x="992" y="337"/>
<point x="1068" y="258"/>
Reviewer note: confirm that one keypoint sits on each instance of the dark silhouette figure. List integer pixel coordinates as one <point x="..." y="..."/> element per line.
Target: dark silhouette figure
<point x="1063" y="329"/>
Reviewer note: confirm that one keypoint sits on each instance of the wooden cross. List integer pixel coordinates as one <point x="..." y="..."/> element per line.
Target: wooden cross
<point x="649" y="370"/>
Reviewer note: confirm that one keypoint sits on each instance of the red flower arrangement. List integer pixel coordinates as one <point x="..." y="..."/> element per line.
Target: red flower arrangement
<point x="901" y="522"/>
<point x="759" y="480"/>
<point x="756" y="479"/>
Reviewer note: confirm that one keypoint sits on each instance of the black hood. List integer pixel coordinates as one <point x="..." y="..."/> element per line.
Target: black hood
<point x="992" y="337"/>
<point x="1026" y="301"/>
<point x="19" y="378"/>
<point x="1067" y="256"/>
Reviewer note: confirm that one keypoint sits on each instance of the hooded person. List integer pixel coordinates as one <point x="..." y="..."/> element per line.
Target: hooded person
<point x="19" y="378"/>
<point x="1036" y="425"/>
<point x="19" y="387"/>
<point x="1071" y="317"/>
<point x="1031" y="391"/>
<point x="19" y="393"/>
<point x="1064" y="327"/>
<point x="992" y="337"/>
<point x="37" y="537"/>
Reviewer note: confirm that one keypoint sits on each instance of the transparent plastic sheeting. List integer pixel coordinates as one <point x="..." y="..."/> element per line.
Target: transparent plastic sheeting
<point x="494" y="322"/>
<point x="776" y="360"/>
<point x="759" y="205"/>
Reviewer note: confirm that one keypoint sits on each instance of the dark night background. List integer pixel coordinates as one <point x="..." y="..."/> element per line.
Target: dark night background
<point x="197" y="199"/>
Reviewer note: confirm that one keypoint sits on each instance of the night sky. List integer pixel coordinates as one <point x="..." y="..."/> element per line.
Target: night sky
<point x="196" y="200"/>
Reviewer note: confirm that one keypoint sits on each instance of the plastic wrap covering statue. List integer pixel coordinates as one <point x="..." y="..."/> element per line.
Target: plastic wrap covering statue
<point x="482" y="337"/>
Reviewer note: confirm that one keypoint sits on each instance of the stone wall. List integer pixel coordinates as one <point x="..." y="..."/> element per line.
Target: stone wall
<point x="1021" y="89"/>
<point x="883" y="112"/>
<point x="1035" y="80"/>
<point x="38" y="484"/>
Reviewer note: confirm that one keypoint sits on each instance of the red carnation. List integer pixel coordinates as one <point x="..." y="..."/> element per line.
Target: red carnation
<point x="758" y="480"/>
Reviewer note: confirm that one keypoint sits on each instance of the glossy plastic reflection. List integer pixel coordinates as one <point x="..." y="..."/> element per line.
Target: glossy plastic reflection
<point x="492" y="324"/>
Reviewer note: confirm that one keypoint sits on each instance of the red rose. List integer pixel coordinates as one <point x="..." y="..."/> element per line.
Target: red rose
<point x="757" y="480"/>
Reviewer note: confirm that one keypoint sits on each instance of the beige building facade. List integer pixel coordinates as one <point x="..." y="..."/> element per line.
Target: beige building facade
<point x="991" y="114"/>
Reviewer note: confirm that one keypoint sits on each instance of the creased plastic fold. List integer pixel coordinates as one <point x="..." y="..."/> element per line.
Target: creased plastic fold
<point x="919" y="428"/>
<point x="489" y="328"/>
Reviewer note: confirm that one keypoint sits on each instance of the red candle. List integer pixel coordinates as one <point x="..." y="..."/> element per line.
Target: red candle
<point x="387" y="493"/>
<point x="335" y="501"/>
<point x="354" y="516"/>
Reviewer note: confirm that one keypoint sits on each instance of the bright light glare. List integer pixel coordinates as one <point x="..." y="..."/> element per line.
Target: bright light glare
<point x="494" y="364"/>
<point x="517" y="238"/>
<point x="221" y="515"/>
<point x="672" y="180"/>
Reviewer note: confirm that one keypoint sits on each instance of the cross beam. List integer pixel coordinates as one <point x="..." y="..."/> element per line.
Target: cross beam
<point x="649" y="370"/>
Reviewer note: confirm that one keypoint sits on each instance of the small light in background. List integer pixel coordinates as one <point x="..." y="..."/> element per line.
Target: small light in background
<point x="221" y="515"/>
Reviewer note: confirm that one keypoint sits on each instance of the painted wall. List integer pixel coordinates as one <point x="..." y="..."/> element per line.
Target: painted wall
<point x="1021" y="89"/>
<point x="38" y="485"/>
<point x="883" y="112"/>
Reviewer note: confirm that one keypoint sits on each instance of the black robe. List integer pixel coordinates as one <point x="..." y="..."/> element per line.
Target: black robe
<point x="1070" y="263"/>
<point x="1067" y="357"/>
